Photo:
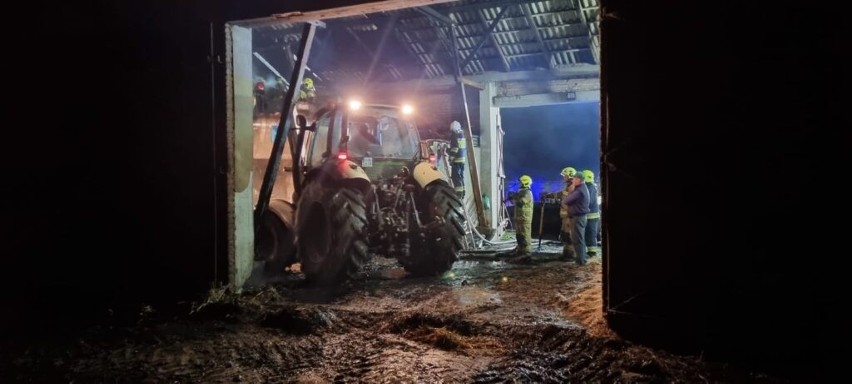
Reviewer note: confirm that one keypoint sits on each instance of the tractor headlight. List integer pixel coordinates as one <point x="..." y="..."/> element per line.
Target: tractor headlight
<point x="407" y="109"/>
<point x="354" y="105"/>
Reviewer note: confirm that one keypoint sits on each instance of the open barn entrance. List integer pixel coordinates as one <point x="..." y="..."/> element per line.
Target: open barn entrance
<point x="454" y="61"/>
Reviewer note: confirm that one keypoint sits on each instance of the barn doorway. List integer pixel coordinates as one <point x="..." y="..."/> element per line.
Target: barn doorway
<point x="480" y="63"/>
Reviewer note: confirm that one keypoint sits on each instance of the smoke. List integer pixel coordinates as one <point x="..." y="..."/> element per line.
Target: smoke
<point x="541" y="141"/>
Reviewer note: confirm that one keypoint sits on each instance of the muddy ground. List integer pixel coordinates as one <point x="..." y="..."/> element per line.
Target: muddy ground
<point x="486" y="321"/>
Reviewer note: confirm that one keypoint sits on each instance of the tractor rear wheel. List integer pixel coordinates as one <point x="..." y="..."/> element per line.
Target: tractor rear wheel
<point x="332" y="233"/>
<point x="434" y="251"/>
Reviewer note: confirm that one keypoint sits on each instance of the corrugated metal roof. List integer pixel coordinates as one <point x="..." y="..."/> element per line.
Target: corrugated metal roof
<point x="492" y="35"/>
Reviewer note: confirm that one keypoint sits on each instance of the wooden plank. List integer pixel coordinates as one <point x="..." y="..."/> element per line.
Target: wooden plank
<point x="580" y="71"/>
<point x="533" y="100"/>
<point x="355" y="10"/>
<point x="431" y="12"/>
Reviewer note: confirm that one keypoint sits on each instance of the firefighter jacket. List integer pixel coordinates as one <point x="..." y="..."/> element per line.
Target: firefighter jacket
<point x="523" y="205"/>
<point x="458" y="148"/>
<point x="563" y="208"/>
<point x="594" y="210"/>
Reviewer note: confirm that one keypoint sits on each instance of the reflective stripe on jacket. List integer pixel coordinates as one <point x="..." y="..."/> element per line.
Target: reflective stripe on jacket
<point x="458" y="148"/>
<point x="594" y="210"/>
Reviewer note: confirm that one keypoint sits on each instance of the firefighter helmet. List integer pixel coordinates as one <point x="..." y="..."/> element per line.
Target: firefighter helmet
<point x="568" y="171"/>
<point x="455" y="126"/>
<point x="588" y="176"/>
<point x="526" y="181"/>
<point x="308" y="82"/>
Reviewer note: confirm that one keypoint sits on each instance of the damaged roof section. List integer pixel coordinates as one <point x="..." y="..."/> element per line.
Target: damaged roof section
<point x="417" y="43"/>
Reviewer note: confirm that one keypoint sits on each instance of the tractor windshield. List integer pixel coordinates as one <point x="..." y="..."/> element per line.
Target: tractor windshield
<point x="381" y="132"/>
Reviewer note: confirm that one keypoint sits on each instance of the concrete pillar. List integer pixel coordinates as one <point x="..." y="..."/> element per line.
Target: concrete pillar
<point x="490" y="165"/>
<point x="240" y="163"/>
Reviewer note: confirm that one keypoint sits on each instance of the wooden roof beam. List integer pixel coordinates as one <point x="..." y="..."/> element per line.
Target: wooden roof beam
<point x="485" y="5"/>
<point x="533" y="100"/>
<point x="431" y="12"/>
<point x="440" y="41"/>
<point x="589" y="28"/>
<point x="488" y="33"/>
<point x="360" y="42"/>
<point x="503" y="59"/>
<point x="548" y="56"/>
<point x="579" y="71"/>
<point x="386" y="30"/>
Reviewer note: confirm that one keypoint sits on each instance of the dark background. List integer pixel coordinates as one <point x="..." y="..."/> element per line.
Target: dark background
<point x="722" y="144"/>
<point x="725" y="140"/>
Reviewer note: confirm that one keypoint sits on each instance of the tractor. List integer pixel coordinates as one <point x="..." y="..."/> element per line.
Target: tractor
<point x="363" y="183"/>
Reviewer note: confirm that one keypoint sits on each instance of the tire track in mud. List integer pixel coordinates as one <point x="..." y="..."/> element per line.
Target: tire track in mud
<point x="560" y="355"/>
<point x="389" y="358"/>
<point x="250" y="354"/>
<point x="500" y="325"/>
<point x="373" y="347"/>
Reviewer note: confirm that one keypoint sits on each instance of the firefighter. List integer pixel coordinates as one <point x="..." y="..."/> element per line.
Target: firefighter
<point x="259" y="98"/>
<point x="523" y="201"/>
<point x="458" y="153"/>
<point x="594" y="216"/>
<point x="567" y="250"/>
<point x="308" y="92"/>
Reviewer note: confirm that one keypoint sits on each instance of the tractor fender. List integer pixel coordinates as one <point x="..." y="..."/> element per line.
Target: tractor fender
<point x="348" y="171"/>
<point x="285" y="212"/>
<point x="425" y="173"/>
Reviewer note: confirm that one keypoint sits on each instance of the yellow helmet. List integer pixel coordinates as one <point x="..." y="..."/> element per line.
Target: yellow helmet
<point x="526" y="181"/>
<point x="568" y="171"/>
<point x="588" y="176"/>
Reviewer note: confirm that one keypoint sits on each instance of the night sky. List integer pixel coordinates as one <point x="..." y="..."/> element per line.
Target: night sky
<point x="540" y="141"/>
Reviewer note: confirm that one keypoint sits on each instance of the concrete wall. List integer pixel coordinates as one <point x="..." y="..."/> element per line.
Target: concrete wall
<point x="241" y="140"/>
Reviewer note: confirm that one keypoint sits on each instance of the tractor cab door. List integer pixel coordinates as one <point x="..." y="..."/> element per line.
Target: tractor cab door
<point x="323" y="141"/>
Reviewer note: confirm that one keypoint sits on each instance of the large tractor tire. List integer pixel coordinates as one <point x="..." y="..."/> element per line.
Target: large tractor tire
<point x="443" y="216"/>
<point x="332" y="233"/>
<point x="276" y="239"/>
<point x="275" y="245"/>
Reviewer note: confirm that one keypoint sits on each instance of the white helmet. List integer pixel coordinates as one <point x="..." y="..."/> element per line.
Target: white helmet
<point x="455" y="126"/>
